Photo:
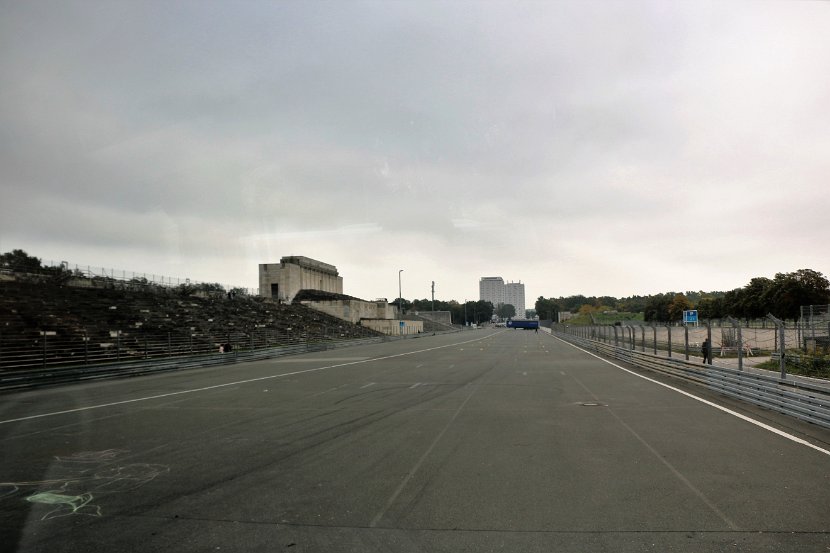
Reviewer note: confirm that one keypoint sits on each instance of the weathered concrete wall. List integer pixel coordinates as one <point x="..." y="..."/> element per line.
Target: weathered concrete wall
<point x="393" y="327"/>
<point x="295" y="273"/>
<point x="353" y="310"/>
<point x="441" y="317"/>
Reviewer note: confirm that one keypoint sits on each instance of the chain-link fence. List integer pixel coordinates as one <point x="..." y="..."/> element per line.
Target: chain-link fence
<point x="802" y="343"/>
<point x="814" y="325"/>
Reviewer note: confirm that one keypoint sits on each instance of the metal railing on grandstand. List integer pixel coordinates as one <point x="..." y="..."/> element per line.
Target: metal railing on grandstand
<point x="50" y="349"/>
<point x="98" y="277"/>
<point x="52" y="358"/>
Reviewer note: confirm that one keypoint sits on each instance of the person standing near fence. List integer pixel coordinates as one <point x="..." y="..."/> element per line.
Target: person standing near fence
<point x="706" y="350"/>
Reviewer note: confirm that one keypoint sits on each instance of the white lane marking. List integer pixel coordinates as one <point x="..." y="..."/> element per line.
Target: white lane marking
<point x="679" y="475"/>
<point x="326" y="391"/>
<point x="750" y="420"/>
<point x="317" y="359"/>
<point x="236" y="383"/>
<point x="415" y="385"/>
<point x="420" y="462"/>
<point x="367" y="385"/>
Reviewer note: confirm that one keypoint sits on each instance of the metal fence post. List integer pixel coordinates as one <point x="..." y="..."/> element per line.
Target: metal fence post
<point x="740" y="346"/>
<point x="654" y="329"/>
<point x="709" y="337"/>
<point x="44" y="348"/>
<point x="779" y="329"/>
<point x="643" y="342"/>
<point x="686" y="340"/>
<point x="669" y="327"/>
<point x="812" y="330"/>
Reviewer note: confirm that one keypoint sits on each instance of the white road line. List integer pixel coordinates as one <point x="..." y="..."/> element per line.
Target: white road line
<point x="750" y="420"/>
<point x="417" y="466"/>
<point x="367" y="385"/>
<point x="324" y="392"/>
<point x="236" y="383"/>
<point x="415" y="385"/>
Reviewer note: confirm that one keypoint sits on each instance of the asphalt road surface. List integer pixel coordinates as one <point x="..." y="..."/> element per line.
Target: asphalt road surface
<point x="499" y="440"/>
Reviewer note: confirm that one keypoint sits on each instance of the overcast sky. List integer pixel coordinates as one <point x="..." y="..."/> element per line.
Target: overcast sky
<point x="601" y="148"/>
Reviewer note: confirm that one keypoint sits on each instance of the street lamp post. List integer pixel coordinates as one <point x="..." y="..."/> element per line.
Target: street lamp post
<point x="400" y="296"/>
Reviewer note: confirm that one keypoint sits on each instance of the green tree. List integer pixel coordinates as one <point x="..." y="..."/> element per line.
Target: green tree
<point x="678" y="305"/>
<point x="482" y="311"/>
<point x="710" y="308"/>
<point x="657" y="308"/>
<point x="752" y="301"/>
<point x="20" y="261"/>
<point x="732" y="303"/>
<point x="505" y="311"/>
<point x="789" y="291"/>
<point x="546" y="308"/>
<point x="401" y="302"/>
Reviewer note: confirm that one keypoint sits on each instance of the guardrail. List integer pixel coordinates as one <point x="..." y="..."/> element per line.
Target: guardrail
<point x="32" y="378"/>
<point x="796" y="397"/>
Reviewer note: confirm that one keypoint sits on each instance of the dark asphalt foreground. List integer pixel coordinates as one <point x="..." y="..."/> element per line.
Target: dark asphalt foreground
<point x="479" y="441"/>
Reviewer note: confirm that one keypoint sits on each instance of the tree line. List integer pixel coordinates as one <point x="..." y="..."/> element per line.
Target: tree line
<point x="782" y="296"/>
<point x="473" y="312"/>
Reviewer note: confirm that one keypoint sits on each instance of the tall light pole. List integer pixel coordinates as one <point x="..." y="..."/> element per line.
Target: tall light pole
<point x="400" y="297"/>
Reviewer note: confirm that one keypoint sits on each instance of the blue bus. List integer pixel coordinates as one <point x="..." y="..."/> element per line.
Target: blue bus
<point x="530" y="325"/>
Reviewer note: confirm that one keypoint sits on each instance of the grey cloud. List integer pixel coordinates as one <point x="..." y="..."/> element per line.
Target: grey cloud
<point x="439" y="125"/>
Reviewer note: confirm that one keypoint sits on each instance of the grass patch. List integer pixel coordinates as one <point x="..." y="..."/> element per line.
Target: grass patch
<point x="802" y="365"/>
<point x="605" y="318"/>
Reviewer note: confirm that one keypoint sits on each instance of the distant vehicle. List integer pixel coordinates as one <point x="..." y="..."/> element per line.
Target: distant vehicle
<point x="530" y="325"/>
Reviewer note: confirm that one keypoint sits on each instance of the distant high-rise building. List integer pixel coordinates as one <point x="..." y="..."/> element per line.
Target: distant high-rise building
<point x="494" y="290"/>
<point x="514" y="294"/>
<point x="491" y="289"/>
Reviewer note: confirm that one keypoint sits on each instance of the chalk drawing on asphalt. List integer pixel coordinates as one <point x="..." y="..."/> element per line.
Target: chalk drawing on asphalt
<point x="83" y="478"/>
<point x="66" y="504"/>
<point x="92" y="456"/>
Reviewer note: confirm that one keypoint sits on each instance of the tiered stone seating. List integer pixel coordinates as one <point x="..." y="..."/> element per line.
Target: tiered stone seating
<point x="28" y="307"/>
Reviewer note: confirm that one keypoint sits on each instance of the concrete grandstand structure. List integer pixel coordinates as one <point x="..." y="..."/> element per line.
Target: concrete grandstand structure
<point x="318" y="285"/>
<point x="377" y="315"/>
<point x="47" y="323"/>
<point x="282" y="281"/>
